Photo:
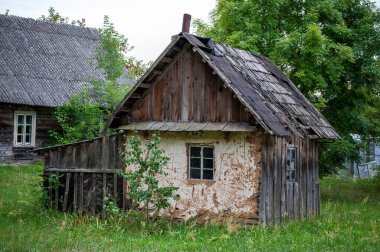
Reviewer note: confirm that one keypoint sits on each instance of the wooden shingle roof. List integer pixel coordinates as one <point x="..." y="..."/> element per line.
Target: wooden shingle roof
<point x="266" y="92"/>
<point x="43" y="63"/>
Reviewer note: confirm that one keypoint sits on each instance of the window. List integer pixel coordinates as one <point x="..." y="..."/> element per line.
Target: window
<point x="201" y="162"/>
<point x="24" y="128"/>
<point x="291" y="164"/>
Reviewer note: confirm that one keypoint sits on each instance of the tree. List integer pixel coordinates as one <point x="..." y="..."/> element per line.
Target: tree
<point x="84" y="115"/>
<point x="80" y="118"/>
<point x="55" y="17"/>
<point x="329" y="49"/>
<point x="144" y="186"/>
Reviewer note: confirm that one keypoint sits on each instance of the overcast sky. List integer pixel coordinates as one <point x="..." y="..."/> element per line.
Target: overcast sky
<point x="148" y="24"/>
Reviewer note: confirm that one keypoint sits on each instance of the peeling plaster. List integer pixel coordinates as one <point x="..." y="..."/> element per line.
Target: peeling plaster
<point x="236" y="177"/>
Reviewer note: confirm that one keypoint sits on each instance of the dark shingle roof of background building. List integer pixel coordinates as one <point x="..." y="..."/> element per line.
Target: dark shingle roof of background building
<point x="270" y="96"/>
<point x="43" y="63"/>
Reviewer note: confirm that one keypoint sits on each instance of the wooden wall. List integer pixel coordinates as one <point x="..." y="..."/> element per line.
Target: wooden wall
<point x="189" y="91"/>
<point x="88" y="171"/>
<point x="280" y="199"/>
<point x="45" y="121"/>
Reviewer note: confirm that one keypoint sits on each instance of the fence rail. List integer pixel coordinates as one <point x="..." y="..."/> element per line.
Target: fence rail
<point x="79" y="177"/>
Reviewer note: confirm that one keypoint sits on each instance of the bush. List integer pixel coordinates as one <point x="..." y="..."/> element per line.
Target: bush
<point x="144" y="186"/>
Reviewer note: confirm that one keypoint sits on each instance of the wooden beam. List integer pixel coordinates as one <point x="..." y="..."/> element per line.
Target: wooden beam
<point x="66" y="195"/>
<point x="82" y="170"/>
<point x="136" y="96"/>
<point x="145" y="85"/>
<point x="169" y="65"/>
<point x="166" y="60"/>
<point x="175" y="39"/>
<point x="176" y="48"/>
<point x="126" y="110"/>
<point x="158" y="72"/>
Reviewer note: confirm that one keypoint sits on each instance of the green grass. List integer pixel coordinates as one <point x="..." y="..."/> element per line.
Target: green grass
<point x="349" y="221"/>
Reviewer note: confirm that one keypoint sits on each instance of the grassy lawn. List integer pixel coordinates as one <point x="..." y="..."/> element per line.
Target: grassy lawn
<point x="349" y="221"/>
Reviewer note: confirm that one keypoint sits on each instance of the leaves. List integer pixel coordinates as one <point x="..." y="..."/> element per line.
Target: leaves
<point x="85" y="114"/>
<point x="148" y="163"/>
<point x="329" y="49"/>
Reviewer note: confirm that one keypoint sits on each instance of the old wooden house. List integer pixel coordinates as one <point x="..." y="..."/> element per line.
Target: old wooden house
<point x="241" y="138"/>
<point x="42" y="65"/>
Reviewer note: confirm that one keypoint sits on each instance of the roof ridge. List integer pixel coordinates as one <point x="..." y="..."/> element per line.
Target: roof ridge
<point x="251" y="77"/>
<point x="46" y="24"/>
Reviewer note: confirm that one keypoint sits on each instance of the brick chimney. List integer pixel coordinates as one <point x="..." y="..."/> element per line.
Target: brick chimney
<point x="186" y="23"/>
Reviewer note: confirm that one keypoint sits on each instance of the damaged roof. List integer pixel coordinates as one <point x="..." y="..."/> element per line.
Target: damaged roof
<point x="43" y="63"/>
<point x="266" y="92"/>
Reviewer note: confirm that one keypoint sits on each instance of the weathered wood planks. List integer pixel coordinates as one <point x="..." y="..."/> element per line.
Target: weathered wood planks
<point x="281" y="199"/>
<point x="87" y="174"/>
<point x="192" y="93"/>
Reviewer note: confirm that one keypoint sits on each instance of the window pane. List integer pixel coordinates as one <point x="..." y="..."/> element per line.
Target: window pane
<point x="208" y="174"/>
<point x="29" y="119"/>
<point x="27" y="139"/>
<point x="208" y="152"/>
<point x="208" y="163"/>
<point x="293" y="175"/>
<point x="195" y="162"/>
<point x="19" y="139"/>
<point x="195" y="173"/>
<point x="20" y="129"/>
<point x="195" y="151"/>
<point x="293" y="153"/>
<point x="28" y="129"/>
<point x="292" y="165"/>
<point x="20" y="119"/>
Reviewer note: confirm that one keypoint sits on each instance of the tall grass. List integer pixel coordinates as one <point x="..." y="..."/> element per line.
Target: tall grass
<point x="349" y="221"/>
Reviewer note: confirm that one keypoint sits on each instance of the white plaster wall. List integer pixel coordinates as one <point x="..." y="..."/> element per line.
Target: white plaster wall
<point x="236" y="177"/>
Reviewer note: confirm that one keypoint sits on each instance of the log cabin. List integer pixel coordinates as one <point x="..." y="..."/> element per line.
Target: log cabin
<point x="241" y="138"/>
<point x="42" y="65"/>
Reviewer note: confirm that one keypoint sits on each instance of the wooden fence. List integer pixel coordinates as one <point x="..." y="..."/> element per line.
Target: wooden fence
<point x="79" y="177"/>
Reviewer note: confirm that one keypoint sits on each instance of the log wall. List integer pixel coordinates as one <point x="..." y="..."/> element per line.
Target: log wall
<point x="281" y="199"/>
<point x="88" y="172"/>
<point x="45" y="121"/>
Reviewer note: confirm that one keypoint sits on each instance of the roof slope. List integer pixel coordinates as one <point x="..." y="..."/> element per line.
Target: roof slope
<point x="42" y="63"/>
<point x="274" y="101"/>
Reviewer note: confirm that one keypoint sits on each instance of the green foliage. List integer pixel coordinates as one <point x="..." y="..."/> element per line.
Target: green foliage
<point x="109" y="57"/>
<point x="53" y="181"/>
<point x="329" y="49"/>
<point x="336" y="154"/>
<point x="110" y="206"/>
<point x="50" y="182"/>
<point x="84" y="115"/>
<point x="136" y="68"/>
<point x="55" y="17"/>
<point x="143" y="184"/>
<point x="349" y="221"/>
<point x="80" y="118"/>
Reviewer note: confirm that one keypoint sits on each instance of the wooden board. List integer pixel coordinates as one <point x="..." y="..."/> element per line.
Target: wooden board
<point x="189" y="91"/>
<point x="90" y="171"/>
<point x="281" y="199"/>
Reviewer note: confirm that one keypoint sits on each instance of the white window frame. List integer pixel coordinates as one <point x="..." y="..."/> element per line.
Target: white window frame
<point x="288" y="168"/>
<point x="201" y="157"/>
<point x="33" y="138"/>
